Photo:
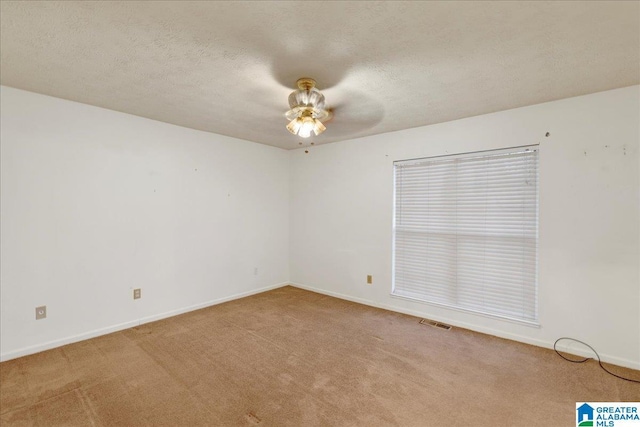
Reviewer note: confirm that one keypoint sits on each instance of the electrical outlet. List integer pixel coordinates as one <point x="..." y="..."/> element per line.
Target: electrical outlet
<point x="255" y="271"/>
<point x="369" y="279"/>
<point x="41" y="312"/>
<point x="137" y="293"/>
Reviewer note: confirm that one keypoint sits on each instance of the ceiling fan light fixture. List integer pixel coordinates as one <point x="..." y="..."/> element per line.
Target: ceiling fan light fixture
<point x="308" y="125"/>
<point x="318" y="128"/>
<point x="307" y="109"/>
<point x="294" y="126"/>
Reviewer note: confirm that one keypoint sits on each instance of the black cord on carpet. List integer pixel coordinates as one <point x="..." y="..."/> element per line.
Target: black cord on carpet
<point x="588" y="358"/>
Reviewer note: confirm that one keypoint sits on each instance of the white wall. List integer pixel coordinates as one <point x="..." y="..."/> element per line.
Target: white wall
<point x="96" y="203"/>
<point x="589" y="284"/>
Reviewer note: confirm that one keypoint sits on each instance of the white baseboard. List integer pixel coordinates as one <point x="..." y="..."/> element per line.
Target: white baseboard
<point x="489" y="331"/>
<point x="172" y="313"/>
<point x="119" y="327"/>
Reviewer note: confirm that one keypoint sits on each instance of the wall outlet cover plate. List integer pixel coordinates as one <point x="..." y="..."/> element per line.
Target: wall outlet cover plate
<point x="41" y="312"/>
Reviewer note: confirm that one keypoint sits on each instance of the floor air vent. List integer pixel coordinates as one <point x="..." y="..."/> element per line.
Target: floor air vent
<point x="435" y="324"/>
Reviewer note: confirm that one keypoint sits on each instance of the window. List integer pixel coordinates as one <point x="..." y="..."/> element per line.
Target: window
<point x="466" y="232"/>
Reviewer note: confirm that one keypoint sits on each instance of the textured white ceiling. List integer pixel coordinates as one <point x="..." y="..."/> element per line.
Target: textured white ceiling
<point x="228" y="67"/>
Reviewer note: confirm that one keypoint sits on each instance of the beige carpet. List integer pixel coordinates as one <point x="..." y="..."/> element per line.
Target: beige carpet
<point x="293" y="357"/>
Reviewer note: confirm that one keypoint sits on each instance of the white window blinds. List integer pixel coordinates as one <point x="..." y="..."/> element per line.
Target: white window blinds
<point x="466" y="231"/>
